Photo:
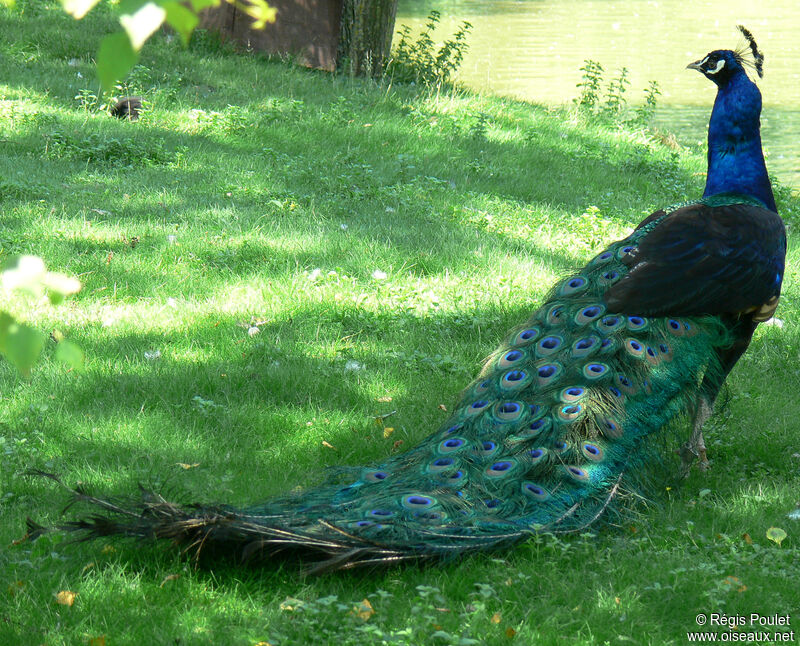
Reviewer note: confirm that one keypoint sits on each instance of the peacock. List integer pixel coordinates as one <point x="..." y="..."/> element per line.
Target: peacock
<point x="562" y="415"/>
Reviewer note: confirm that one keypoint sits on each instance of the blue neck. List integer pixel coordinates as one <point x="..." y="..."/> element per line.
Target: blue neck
<point x="735" y="159"/>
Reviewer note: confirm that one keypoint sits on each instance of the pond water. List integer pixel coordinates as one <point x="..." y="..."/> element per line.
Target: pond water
<point x="534" y="49"/>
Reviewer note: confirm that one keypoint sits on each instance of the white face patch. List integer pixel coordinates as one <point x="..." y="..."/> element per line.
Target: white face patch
<point x="720" y="65"/>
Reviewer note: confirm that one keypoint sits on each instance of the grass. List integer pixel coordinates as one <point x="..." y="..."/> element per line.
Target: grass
<point x="382" y="242"/>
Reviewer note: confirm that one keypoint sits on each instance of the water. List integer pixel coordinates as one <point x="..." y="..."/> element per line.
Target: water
<point x="534" y="49"/>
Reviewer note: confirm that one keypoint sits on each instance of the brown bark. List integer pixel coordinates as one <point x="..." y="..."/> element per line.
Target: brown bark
<point x="366" y="35"/>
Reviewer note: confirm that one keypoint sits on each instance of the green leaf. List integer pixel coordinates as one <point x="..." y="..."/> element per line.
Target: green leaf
<point x="776" y="535"/>
<point x="115" y="59"/>
<point x="19" y="343"/>
<point x="61" y="284"/>
<point x="181" y="19"/>
<point x="199" y="5"/>
<point x="69" y="353"/>
<point x="78" y="8"/>
<point x="22" y="272"/>
<point x="260" y="12"/>
<point x="141" y="24"/>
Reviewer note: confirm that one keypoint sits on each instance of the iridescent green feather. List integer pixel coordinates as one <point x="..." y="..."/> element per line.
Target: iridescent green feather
<point x="540" y="439"/>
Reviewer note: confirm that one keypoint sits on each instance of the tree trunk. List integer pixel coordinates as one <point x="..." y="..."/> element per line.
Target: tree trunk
<point x="366" y="35"/>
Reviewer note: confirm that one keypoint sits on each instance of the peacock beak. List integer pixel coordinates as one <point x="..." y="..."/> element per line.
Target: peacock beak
<point x="697" y="65"/>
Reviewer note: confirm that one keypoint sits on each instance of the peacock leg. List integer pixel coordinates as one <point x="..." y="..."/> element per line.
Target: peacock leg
<point x="742" y="328"/>
<point x="695" y="447"/>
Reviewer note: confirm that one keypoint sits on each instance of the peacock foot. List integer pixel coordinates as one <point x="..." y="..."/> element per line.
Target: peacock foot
<point x="690" y="451"/>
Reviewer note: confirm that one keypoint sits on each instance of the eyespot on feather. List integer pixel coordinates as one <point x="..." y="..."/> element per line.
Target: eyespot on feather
<point x="634" y="347"/>
<point x="537" y="455"/>
<point x="572" y="394"/>
<point x="533" y="490"/>
<point x="452" y="445"/>
<point x="602" y="258"/>
<point x="509" y="411"/>
<point x="592" y="451"/>
<point x="548" y="373"/>
<point x="515" y="380"/>
<point x="610" y="428"/>
<point x="595" y="370"/>
<point x="528" y="335"/>
<point x="553" y="316"/>
<point x="548" y="345"/>
<point x="589" y="314"/>
<point x="585" y="346"/>
<point x="574" y="285"/>
<point x="609" y="324"/>
<point x="576" y="473"/>
<point x="637" y="323"/>
<point x="510" y="358"/>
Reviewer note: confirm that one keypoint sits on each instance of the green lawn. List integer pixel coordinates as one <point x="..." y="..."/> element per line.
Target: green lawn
<point x="381" y="241"/>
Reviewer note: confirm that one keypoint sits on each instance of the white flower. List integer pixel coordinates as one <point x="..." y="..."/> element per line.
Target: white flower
<point x="253" y="330"/>
<point x="778" y="323"/>
<point x="152" y="356"/>
<point x="353" y="366"/>
<point x="379" y="275"/>
<point x="315" y="274"/>
<point x="343" y="226"/>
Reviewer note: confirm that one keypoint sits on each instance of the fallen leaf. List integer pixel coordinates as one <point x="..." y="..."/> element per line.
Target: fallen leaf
<point x="397" y="445"/>
<point x="387" y="431"/>
<point x="169" y="577"/>
<point x="384" y="400"/>
<point x="747" y="538"/>
<point x="442" y="407"/>
<point x="290" y="604"/>
<point x="328" y="445"/>
<point x="496" y="618"/>
<point x="363" y="610"/>
<point x="617" y="600"/>
<point x="87" y="567"/>
<point x="183" y="465"/>
<point x="108" y="549"/>
<point x="776" y="535"/>
<point x="66" y="597"/>
<point x="100" y="640"/>
<point x="510" y="632"/>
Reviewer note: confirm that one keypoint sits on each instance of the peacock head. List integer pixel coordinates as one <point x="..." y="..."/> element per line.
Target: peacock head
<point x="722" y="65"/>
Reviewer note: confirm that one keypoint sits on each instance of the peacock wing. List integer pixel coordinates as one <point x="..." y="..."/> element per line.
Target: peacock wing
<point x="704" y="259"/>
